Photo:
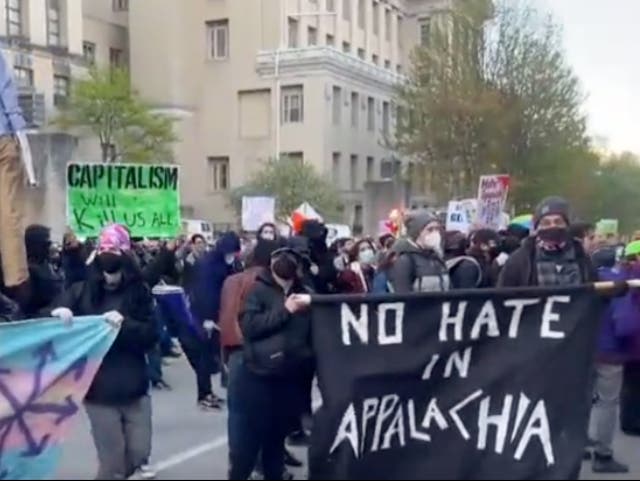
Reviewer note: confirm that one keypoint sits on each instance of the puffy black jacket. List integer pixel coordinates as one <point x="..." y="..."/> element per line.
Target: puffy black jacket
<point x="122" y="377"/>
<point x="276" y="343"/>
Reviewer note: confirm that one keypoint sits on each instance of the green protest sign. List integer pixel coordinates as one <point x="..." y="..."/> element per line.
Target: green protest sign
<point x="145" y="198"/>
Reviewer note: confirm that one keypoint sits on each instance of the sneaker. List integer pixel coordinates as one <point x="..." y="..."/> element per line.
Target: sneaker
<point x="173" y="354"/>
<point x="608" y="465"/>
<point x="216" y="399"/>
<point x="291" y="461"/>
<point x="299" y="439"/>
<point x="144" y="472"/>
<point x="207" y="405"/>
<point x="161" y="386"/>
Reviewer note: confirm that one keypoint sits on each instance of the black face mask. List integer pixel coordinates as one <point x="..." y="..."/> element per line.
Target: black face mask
<point x="285" y="267"/>
<point x="554" y="235"/>
<point x="110" y="263"/>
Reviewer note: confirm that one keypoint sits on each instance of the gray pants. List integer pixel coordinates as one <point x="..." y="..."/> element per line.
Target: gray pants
<point x="122" y="436"/>
<point x="604" y="414"/>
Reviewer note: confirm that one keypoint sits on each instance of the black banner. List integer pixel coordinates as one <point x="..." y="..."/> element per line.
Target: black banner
<point x="468" y="385"/>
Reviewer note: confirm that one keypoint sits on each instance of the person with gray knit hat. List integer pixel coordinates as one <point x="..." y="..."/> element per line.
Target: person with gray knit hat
<point x="420" y="266"/>
<point x="552" y="258"/>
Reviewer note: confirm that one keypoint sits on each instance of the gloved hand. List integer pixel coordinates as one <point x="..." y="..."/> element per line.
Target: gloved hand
<point x="64" y="314"/>
<point x="114" y="318"/>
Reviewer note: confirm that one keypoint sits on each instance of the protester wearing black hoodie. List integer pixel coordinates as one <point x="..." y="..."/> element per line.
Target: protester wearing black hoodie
<point x="323" y="273"/>
<point x="117" y="403"/>
<point x="46" y="283"/>
<point x="74" y="260"/>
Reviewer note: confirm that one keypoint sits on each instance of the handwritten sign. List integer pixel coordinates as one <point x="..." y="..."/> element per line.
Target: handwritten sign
<point x="492" y="199"/>
<point x="257" y="211"/>
<point x="145" y="198"/>
<point x="608" y="227"/>
<point x="461" y="215"/>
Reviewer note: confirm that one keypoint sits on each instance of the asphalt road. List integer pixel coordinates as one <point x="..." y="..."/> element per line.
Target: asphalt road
<point x="190" y="444"/>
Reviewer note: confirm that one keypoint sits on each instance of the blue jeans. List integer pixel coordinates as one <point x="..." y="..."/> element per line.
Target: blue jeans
<point x="259" y="415"/>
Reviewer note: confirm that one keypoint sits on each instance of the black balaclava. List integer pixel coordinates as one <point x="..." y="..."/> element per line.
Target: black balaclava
<point x="37" y="239"/>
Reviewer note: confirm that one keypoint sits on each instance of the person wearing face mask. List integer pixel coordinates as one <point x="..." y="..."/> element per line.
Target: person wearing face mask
<point x="552" y="257"/>
<point x="419" y="266"/>
<point x="358" y="275"/>
<point x="473" y="269"/>
<point x="267" y="231"/>
<point x="198" y="251"/>
<point x="74" y="260"/>
<point x="264" y="387"/>
<point x="118" y="404"/>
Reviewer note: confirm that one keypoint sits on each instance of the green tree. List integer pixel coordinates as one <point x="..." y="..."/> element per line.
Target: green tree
<point x="128" y="130"/>
<point x="492" y="92"/>
<point x="290" y="183"/>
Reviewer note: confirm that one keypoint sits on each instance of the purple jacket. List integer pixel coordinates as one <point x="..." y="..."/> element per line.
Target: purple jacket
<point x="619" y="339"/>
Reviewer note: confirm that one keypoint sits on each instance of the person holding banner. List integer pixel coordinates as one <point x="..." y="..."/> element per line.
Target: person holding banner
<point x="552" y="258"/>
<point x="420" y="266"/>
<point x="118" y="404"/>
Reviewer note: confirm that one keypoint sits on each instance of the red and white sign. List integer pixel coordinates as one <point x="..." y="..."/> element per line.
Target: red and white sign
<point x="492" y="199"/>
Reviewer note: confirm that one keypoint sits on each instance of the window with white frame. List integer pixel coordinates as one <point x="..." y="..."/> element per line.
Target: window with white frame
<point x="376" y="18"/>
<point x="61" y="90"/>
<point x="355" y="109"/>
<point x="23" y="77"/>
<point x="54" y="23"/>
<point x="336" y="169"/>
<point x="294" y="27"/>
<point x="353" y="177"/>
<point x="387" y="24"/>
<point x="336" y="105"/>
<point x="293" y="104"/>
<point x="312" y="36"/>
<point x="330" y="40"/>
<point x="218" y="173"/>
<point x="218" y="39"/>
<point x="370" y="166"/>
<point x="386" y="118"/>
<point x="89" y="52"/>
<point x="371" y="114"/>
<point x="120" y="5"/>
<point x="14" y="18"/>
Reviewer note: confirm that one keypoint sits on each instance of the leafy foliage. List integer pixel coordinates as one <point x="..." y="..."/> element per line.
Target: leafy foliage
<point x="127" y="129"/>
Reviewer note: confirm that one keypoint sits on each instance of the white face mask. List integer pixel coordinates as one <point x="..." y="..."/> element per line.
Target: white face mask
<point x="366" y="256"/>
<point x="229" y="259"/>
<point x="113" y="280"/>
<point x="268" y="235"/>
<point x="431" y="240"/>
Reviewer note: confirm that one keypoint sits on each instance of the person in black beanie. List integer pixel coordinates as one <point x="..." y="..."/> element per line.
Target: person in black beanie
<point x="323" y="273"/>
<point x="46" y="283"/>
<point x="551" y="258"/>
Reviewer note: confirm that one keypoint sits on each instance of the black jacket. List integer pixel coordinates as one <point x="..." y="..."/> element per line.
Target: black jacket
<point x="122" y="377"/>
<point x="46" y="286"/>
<point x="520" y="269"/>
<point x="418" y="270"/>
<point x="276" y="343"/>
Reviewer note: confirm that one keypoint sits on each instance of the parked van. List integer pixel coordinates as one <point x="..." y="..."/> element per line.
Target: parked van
<point x="191" y="227"/>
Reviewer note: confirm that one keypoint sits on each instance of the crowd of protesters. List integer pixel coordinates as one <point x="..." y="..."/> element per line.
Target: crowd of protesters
<point x="246" y="318"/>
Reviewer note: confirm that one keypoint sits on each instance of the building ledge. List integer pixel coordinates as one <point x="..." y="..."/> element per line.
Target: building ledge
<point x="310" y="60"/>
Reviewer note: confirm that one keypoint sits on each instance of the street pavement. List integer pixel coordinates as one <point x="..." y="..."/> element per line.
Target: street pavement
<point x="191" y="444"/>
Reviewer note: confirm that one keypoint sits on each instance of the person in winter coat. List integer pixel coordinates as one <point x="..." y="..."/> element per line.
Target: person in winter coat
<point x="618" y="344"/>
<point x="118" y="404"/>
<point x="552" y="257"/>
<point x="358" y="275"/>
<point x="381" y="281"/>
<point x="474" y="269"/>
<point x="74" y="260"/>
<point x="46" y="284"/>
<point x="267" y="231"/>
<point x="420" y="266"/>
<point x="264" y="378"/>
<point x="198" y="251"/>
<point x="323" y="273"/>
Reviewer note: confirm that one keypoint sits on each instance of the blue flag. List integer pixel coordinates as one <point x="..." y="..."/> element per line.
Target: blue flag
<point x="46" y="369"/>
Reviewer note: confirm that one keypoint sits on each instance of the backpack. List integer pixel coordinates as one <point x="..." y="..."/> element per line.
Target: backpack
<point x="453" y="264"/>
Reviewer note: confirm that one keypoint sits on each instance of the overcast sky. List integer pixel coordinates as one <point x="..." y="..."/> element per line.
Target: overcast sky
<point x="602" y="40"/>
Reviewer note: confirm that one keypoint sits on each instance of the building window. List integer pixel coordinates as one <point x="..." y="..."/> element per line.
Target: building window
<point x="376" y="18"/>
<point x="370" y="167"/>
<point x="293" y="104"/>
<point x="120" y="5"/>
<point x="387" y="25"/>
<point x="361" y="54"/>
<point x="312" y="36"/>
<point x="386" y="118"/>
<point x="357" y="219"/>
<point x="375" y="59"/>
<point x="399" y="69"/>
<point x="293" y="33"/>
<point x="371" y="114"/>
<point x="331" y="40"/>
<point x="355" y="109"/>
<point x="386" y="169"/>
<point x="53" y="22"/>
<point x="346" y="47"/>
<point x="218" y="39"/>
<point x="331" y="6"/>
<point x="23" y="77"/>
<point x="89" y="52"/>
<point x="337" y="105"/>
<point x="218" y="173"/>
<point x="400" y="27"/>
<point x="346" y="10"/>
<point x="354" y="173"/>
<point x="425" y="32"/>
<point x="14" y="18"/>
<point x="387" y="64"/>
<point x="116" y="58"/>
<point x="293" y="157"/>
<point x="61" y="90"/>
<point x="362" y="12"/>
<point x="335" y="169"/>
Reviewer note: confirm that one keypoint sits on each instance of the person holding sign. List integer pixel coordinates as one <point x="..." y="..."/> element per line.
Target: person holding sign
<point x="15" y="160"/>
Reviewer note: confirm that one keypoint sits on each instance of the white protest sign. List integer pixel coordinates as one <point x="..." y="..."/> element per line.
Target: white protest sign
<point x="461" y="215"/>
<point x="492" y="198"/>
<point x="256" y="211"/>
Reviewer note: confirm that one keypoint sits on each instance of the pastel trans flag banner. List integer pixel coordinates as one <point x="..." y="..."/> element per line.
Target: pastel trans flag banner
<point x="46" y="369"/>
